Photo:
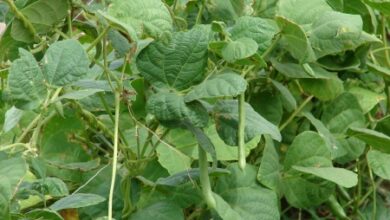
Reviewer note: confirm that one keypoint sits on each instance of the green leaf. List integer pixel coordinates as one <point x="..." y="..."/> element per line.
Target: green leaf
<point x="147" y="17"/>
<point x="295" y="40"/>
<point x="302" y="12"/>
<point x="43" y="214"/>
<point x="227" y="118"/>
<point x="288" y="99"/>
<point x="172" y="159"/>
<point x="334" y="32"/>
<point x="382" y="6"/>
<point x="244" y="196"/>
<point x="366" y="98"/>
<point x="77" y="200"/>
<point x="377" y="69"/>
<point x="377" y="140"/>
<point x="342" y="113"/>
<point x="25" y="79"/>
<point x="293" y="70"/>
<point x="269" y="171"/>
<point x="340" y="176"/>
<point x="308" y="149"/>
<point x="379" y="163"/>
<point x="324" y="89"/>
<point x="65" y="62"/>
<point x="43" y="15"/>
<point x="55" y="187"/>
<point x="162" y="210"/>
<point x="269" y="105"/>
<point x="228" y="10"/>
<point x="170" y="107"/>
<point x="259" y="29"/>
<point x="222" y="85"/>
<point x="12" y="172"/>
<point x="224" y="210"/>
<point x="178" y="64"/>
<point x="239" y="49"/>
<point x="12" y="117"/>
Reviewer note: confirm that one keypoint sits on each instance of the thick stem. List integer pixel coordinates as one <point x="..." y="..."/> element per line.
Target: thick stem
<point x="115" y="154"/>
<point x="241" y="132"/>
<point x="205" y="179"/>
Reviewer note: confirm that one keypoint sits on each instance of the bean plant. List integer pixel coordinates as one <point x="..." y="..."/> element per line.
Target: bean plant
<point x="194" y="109"/>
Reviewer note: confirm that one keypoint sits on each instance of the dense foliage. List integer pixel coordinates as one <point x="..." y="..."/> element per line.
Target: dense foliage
<point x="195" y="109"/>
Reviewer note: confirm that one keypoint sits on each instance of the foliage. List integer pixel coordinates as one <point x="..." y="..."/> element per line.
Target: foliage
<point x="194" y="109"/>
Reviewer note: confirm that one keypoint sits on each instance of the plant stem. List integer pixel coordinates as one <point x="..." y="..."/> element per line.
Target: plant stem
<point x="295" y="113"/>
<point x="200" y="12"/>
<point x="241" y="132"/>
<point x="373" y="186"/>
<point x="29" y="127"/>
<point x="98" y="39"/>
<point x="205" y="179"/>
<point x="384" y="36"/>
<point x="27" y="24"/>
<point x="115" y="154"/>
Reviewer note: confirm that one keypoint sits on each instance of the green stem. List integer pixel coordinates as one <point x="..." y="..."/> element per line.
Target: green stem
<point x="98" y="39"/>
<point x="69" y="20"/>
<point x="27" y="24"/>
<point x="373" y="186"/>
<point x="205" y="179"/>
<point x="115" y="154"/>
<point x="295" y="113"/>
<point x="29" y="127"/>
<point x="241" y="132"/>
<point x="384" y="36"/>
<point x="200" y="12"/>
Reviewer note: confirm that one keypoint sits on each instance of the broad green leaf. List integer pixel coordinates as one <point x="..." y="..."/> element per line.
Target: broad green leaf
<point x="377" y="140"/>
<point x="43" y="214"/>
<point x="340" y="176"/>
<point x="302" y="12"/>
<point x="379" y="163"/>
<point x="224" y="210"/>
<point x="79" y="94"/>
<point x="170" y="107"/>
<point x="334" y="32"/>
<point x="162" y="210"/>
<point x="366" y="98"/>
<point x="308" y="150"/>
<point x="289" y="101"/>
<point x="87" y="84"/>
<point x="55" y="187"/>
<point x="65" y="62"/>
<point x="12" y="117"/>
<point x="377" y="69"/>
<point x="269" y="171"/>
<point x="172" y="159"/>
<point x="82" y="166"/>
<point x="147" y="17"/>
<point x="226" y="84"/>
<point x="43" y="15"/>
<point x="12" y="172"/>
<point x="239" y="49"/>
<point x="227" y="119"/>
<point x="353" y="147"/>
<point x="228" y="10"/>
<point x="9" y="47"/>
<point x="324" y="89"/>
<point x="259" y="29"/>
<point x="306" y="192"/>
<point x="178" y="64"/>
<point x="242" y="193"/>
<point x="368" y="15"/>
<point x="77" y="200"/>
<point x="333" y="145"/>
<point x="342" y="113"/>
<point x="25" y="79"/>
<point x="293" y="70"/>
<point x="295" y="40"/>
